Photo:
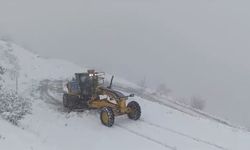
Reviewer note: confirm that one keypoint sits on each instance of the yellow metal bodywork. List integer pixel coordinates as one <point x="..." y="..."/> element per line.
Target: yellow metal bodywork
<point x="118" y="106"/>
<point x="114" y="100"/>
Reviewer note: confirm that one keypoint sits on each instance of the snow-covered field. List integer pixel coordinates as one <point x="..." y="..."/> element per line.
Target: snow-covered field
<point x="163" y="125"/>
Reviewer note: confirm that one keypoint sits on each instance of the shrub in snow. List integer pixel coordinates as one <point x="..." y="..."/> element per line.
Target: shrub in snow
<point x="13" y="107"/>
<point x="198" y="103"/>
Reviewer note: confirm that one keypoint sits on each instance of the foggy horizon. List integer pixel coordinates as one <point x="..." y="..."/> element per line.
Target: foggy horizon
<point x="196" y="48"/>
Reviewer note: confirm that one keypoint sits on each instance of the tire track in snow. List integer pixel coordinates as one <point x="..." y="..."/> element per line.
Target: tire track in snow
<point x="47" y="85"/>
<point x="147" y="137"/>
<point x="184" y="135"/>
<point x="44" y="88"/>
<point x="177" y="106"/>
<point x="153" y="99"/>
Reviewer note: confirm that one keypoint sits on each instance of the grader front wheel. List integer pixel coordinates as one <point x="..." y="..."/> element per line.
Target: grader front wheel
<point x="107" y="116"/>
<point x="135" y="110"/>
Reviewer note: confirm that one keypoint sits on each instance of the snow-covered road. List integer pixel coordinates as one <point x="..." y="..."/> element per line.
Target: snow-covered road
<point x="160" y="127"/>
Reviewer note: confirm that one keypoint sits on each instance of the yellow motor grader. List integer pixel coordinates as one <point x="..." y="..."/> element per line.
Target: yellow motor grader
<point x="87" y="91"/>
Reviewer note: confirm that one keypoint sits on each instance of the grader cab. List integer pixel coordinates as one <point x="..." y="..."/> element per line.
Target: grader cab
<point x="85" y="92"/>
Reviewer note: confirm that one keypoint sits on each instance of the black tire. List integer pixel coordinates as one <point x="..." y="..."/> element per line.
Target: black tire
<point x="65" y="100"/>
<point x="135" y="110"/>
<point x="107" y="116"/>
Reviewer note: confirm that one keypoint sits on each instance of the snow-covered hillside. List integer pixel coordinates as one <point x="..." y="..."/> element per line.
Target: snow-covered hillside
<point x="164" y="125"/>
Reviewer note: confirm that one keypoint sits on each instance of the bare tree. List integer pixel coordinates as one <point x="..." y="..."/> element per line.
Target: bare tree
<point x="198" y="103"/>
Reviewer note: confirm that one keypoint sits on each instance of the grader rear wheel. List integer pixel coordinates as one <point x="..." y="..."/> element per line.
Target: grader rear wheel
<point x="65" y="100"/>
<point x="135" y="110"/>
<point x="107" y="116"/>
<point x="69" y="101"/>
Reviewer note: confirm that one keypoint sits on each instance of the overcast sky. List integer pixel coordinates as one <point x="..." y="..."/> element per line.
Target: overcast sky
<point x="195" y="47"/>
